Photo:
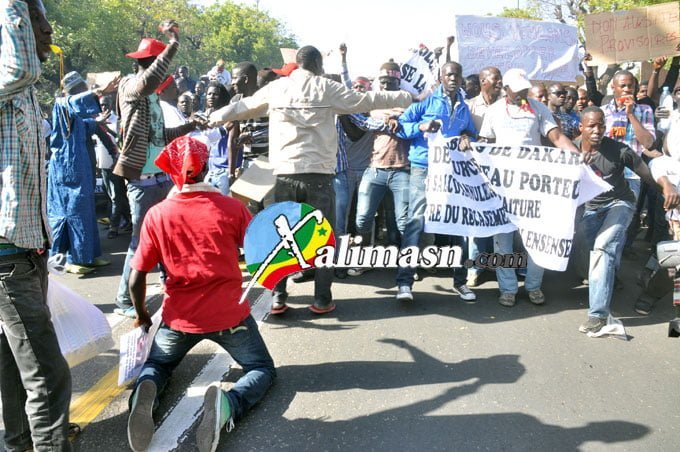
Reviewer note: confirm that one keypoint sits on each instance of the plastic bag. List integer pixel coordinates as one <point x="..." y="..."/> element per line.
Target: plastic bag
<point x="613" y="328"/>
<point x="135" y="347"/>
<point x="82" y="329"/>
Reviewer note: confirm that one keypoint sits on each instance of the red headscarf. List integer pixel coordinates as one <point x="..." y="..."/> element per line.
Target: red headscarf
<point x="183" y="160"/>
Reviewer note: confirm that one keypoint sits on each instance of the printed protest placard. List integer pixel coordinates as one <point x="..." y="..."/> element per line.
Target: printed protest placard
<point x="546" y="50"/>
<point x="634" y="35"/>
<point x="495" y="189"/>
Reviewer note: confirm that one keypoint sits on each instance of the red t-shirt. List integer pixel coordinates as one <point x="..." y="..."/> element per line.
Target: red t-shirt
<point x="196" y="236"/>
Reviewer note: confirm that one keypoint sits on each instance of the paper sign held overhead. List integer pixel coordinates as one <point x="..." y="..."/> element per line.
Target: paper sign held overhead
<point x="634" y="35"/>
<point x="545" y="50"/>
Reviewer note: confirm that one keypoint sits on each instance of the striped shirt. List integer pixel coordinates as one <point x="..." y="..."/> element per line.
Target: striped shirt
<point x="134" y="110"/>
<point x="23" y="215"/>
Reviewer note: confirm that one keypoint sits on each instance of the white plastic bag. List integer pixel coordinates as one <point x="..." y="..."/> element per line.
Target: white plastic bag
<point x="613" y="328"/>
<point x="82" y="329"/>
<point x="135" y="347"/>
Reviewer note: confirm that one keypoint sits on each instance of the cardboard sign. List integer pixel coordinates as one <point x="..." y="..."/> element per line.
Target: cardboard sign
<point x="545" y="50"/>
<point x="255" y="182"/>
<point x="101" y="79"/>
<point x="634" y="35"/>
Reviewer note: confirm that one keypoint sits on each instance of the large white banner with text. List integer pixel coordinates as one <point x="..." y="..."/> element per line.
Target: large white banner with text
<point x="494" y="189"/>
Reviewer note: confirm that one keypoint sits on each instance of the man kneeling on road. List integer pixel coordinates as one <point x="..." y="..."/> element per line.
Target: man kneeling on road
<point x="196" y="234"/>
<point x="607" y="216"/>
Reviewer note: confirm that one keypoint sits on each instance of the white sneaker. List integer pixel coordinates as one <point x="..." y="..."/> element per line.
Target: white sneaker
<point x="465" y="293"/>
<point x="404" y="294"/>
<point x="357" y="271"/>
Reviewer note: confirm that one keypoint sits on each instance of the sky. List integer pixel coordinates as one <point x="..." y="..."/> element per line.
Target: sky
<point x="373" y="30"/>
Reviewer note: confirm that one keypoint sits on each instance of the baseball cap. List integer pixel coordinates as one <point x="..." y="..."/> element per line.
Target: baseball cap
<point x="516" y="80"/>
<point x="148" y="47"/>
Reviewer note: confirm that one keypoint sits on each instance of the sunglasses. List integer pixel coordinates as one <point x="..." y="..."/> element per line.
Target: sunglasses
<point x="559" y="93"/>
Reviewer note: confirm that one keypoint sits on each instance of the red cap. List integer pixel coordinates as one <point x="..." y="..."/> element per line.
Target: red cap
<point x="148" y="47"/>
<point x="286" y="69"/>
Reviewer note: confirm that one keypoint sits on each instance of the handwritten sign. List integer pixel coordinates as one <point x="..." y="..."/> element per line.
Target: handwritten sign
<point x="634" y="35"/>
<point x="546" y="50"/>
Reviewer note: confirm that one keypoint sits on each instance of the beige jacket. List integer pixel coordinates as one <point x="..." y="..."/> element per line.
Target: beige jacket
<point x="302" y="109"/>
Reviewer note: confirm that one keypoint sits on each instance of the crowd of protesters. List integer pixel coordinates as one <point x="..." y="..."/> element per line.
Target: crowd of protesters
<point x="168" y="147"/>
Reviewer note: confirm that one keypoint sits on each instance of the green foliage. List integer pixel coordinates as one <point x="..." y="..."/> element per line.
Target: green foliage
<point x="96" y="35"/>
<point x="521" y="13"/>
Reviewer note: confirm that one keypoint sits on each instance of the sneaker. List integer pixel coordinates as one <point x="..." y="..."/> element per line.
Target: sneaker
<point x="404" y="294"/>
<point x="78" y="269"/>
<point x="357" y="271"/>
<point x="140" y="427"/>
<point x="104" y="221"/>
<point x="126" y="226"/>
<point x="536" y="297"/>
<point x="507" y="299"/>
<point x="592" y="325"/>
<point x="465" y="293"/>
<point x="318" y="308"/>
<point x="644" y="306"/>
<point x="126" y="312"/>
<point x="216" y="414"/>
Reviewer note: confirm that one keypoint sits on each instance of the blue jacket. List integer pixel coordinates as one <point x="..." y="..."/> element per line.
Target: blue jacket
<point x="436" y="106"/>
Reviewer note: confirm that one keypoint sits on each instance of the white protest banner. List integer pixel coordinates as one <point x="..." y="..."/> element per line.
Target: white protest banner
<point x="545" y="50"/>
<point x="459" y="198"/>
<point x="135" y="347"/>
<point x="538" y="189"/>
<point x="418" y="73"/>
<point x="637" y="34"/>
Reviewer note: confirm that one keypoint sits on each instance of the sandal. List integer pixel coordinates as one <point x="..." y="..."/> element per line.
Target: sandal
<point x="73" y="431"/>
<point x="317" y="310"/>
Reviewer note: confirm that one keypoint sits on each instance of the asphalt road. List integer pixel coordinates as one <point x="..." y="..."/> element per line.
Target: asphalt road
<point x="432" y="374"/>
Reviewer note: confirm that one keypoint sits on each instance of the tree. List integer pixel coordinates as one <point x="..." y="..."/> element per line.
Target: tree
<point x="96" y="35"/>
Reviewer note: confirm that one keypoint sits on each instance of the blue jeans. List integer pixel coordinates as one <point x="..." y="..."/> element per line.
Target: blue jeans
<point x="345" y="185"/>
<point x="374" y="185"/>
<point x="416" y="221"/>
<point x="219" y="178"/>
<point x="604" y="231"/>
<point x="477" y="245"/>
<point x="142" y="195"/>
<point x="507" y="278"/>
<point x="35" y="381"/>
<point x="243" y="342"/>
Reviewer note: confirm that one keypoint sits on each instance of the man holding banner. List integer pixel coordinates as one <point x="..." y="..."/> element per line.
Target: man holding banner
<point x="445" y="109"/>
<point x="514" y="121"/>
<point x="608" y="215"/>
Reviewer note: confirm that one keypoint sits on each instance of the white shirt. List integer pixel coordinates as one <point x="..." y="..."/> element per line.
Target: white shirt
<point x="669" y="167"/>
<point x="511" y="126"/>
